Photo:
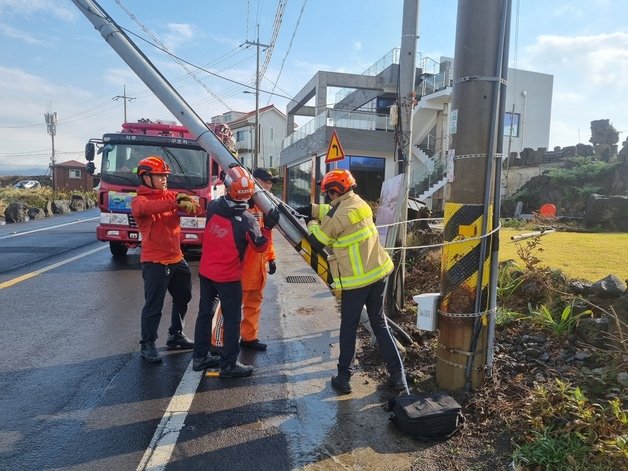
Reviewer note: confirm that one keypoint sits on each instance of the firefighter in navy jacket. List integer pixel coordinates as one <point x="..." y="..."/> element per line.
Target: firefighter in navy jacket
<point x="229" y="230"/>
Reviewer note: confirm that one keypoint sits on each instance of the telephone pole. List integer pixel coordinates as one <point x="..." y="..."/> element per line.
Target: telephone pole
<point x="257" y="126"/>
<point x="125" y="98"/>
<point x="51" y="128"/>
<point x="469" y="267"/>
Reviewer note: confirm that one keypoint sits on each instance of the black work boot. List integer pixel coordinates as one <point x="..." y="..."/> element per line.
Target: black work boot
<point x="149" y="353"/>
<point x="341" y="383"/>
<point x="237" y="370"/>
<point x="253" y="345"/>
<point x="179" y="340"/>
<point x="208" y="361"/>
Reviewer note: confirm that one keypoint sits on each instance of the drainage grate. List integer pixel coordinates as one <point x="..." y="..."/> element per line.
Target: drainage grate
<point x="300" y="279"/>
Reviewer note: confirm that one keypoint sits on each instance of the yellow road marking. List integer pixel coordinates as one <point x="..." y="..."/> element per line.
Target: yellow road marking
<point x="26" y="276"/>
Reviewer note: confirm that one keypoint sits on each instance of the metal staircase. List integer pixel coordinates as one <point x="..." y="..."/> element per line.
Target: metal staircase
<point x="428" y="166"/>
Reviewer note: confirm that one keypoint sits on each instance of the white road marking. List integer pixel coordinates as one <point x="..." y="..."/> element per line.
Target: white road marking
<point x="27" y="276"/>
<point x="165" y="438"/>
<point x="15" y="234"/>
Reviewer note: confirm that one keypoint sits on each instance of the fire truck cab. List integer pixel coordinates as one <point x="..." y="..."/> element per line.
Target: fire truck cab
<point x="194" y="172"/>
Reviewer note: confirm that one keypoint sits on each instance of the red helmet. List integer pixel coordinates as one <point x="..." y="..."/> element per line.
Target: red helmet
<point x="338" y="180"/>
<point x="152" y="166"/>
<point x="239" y="183"/>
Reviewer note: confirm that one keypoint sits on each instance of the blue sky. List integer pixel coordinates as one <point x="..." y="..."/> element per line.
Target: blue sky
<point x="52" y="59"/>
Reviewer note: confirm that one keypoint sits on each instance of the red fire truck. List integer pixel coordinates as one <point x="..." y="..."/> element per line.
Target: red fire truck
<point x="194" y="171"/>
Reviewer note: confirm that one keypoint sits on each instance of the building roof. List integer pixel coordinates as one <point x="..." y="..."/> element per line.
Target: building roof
<point x="70" y="163"/>
<point x="251" y="114"/>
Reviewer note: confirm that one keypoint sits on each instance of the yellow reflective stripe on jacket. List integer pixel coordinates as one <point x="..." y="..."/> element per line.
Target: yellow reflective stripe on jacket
<point x="349" y="282"/>
<point x="323" y="209"/>
<point x="360" y="214"/>
<point x="356" y="237"/>
<point x="356" y="260"/>
<point x="323" y="238"/>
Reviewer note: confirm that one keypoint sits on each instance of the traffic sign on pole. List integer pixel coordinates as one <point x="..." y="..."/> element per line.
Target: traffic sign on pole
<point x="334" y="151"/>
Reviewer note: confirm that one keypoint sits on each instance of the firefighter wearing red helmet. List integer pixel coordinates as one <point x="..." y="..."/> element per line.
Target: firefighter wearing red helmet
<point x="359" y="266"/>
<point x="156" y="212"/>
<point x="230" y="229"/>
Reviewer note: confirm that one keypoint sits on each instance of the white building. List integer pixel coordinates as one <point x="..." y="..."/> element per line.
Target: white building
<point x="361" y="119"/>
<point x="272" y="125"/>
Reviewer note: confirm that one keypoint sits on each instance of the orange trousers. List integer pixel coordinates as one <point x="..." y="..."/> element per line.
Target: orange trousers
<point x="249" y="327"/>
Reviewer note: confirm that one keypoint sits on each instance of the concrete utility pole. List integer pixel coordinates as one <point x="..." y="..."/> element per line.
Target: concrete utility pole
<point x="476" y="126"/>
<point x="125" y="98"/>
<point x="406" y="102"/>
<point x="257" y="126"/>
<point x="51" y="128"/>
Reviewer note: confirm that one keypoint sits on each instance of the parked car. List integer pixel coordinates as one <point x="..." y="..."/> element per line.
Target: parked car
<point x="28" y="184"/>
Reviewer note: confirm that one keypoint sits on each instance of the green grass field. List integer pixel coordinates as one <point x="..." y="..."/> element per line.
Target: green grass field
<point x="579" y="255"/>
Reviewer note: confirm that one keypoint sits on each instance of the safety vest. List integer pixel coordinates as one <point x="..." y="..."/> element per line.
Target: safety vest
<point x="347" y="228"/>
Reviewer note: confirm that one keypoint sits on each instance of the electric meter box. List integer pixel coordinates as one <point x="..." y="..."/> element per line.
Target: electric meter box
<point x="427" y="310"/>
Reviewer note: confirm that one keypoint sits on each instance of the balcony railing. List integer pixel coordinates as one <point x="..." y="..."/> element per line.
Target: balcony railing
<point x="340" y="119"/>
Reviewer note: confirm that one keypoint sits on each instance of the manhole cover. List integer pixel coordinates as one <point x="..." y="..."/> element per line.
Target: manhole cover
<point x="301" y="279"/>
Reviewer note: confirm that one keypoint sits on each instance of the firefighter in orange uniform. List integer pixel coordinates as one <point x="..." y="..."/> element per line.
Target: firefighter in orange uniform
<point x="254" y="276"/>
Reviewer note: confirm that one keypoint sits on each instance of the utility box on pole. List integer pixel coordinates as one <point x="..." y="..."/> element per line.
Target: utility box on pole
<point x="480" y="65"/>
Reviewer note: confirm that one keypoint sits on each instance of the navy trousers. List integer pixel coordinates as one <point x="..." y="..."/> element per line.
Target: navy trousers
<point x="159" y="279"/>
<point x="351" y="303"/>
<point x="230" y="296"/>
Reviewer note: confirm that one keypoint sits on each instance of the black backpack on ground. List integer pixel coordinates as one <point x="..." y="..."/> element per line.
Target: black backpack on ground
<point x="433" y="416"/>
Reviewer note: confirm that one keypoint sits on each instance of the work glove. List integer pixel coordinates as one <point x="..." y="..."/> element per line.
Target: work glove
<point x="187" y="206"/>
<point x="305" y="210"/>
<point x="272" y="218"/>
<point x="183" y="197"/>
<point x="272" y="267"/>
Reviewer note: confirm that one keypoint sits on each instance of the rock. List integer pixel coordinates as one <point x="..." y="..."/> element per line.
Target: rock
<point x="539" y="377"/>
<point x="60" y="207"/>
<point x="16" y="212"/>
<point x="610" y="287"/>
<point x="608" y="212"/>
<point x="78" y="203"/>
<point x="533" y="352"/>
<point x="622" y="378"/>
<point x="593" y="330"/>
<point x="582" y="355"/>
<point x="48" y="208"/>
<point x="36" y="213"/>
<point x="580" y="287"/>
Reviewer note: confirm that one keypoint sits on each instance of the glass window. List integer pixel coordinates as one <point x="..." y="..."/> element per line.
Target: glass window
<point x="299" y="184"/>
<point x="511" y="124"/>
<point x="368" y="172"/>
<point x="240" y="136"/>
<point x="75" y="173"/>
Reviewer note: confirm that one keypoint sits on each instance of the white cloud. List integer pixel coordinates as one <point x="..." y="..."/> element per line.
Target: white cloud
<point x="178" y="33"/>
<point x="14" y="33"/>
<point x="29" y="7"/>
<point x="357" y="45"/>
<point x="590" y="81"/>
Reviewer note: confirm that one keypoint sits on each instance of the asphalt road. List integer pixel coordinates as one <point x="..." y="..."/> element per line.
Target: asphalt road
<point x="74" y="393"/>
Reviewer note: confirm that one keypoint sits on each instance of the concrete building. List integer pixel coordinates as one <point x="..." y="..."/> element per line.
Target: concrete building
<point x="272" y="125"/>
<point x="361" y="118"/>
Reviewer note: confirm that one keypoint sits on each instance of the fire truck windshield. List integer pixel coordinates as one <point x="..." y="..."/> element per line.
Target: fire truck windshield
<point x="189" y="166"/>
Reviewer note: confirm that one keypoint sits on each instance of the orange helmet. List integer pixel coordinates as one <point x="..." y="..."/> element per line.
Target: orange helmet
<point x="239" y="184"/>
<point x="338" y="180"/>
<point x="152" y="166"/>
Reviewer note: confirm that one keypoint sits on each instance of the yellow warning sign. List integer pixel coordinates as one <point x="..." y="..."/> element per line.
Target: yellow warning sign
<point x="334" y="151"/>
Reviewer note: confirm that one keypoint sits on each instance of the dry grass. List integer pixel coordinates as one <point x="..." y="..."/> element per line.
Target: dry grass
<point x="585" y="256"/>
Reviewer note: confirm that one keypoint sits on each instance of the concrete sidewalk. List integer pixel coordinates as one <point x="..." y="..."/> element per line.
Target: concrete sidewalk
<point x="329" y="431"/>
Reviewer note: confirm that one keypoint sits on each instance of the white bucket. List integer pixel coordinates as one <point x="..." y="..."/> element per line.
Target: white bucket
<point x="426" y="318"/>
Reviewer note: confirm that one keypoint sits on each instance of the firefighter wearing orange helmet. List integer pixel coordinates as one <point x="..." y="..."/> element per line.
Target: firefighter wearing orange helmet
<point x="257" y="266"/>
<point x="156" y="211"/>
<point x="230" y="231"/>
<point x="359" y="266"/>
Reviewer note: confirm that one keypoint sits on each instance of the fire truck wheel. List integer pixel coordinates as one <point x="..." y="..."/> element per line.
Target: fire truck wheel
<point x="118" y="249"/>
